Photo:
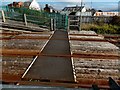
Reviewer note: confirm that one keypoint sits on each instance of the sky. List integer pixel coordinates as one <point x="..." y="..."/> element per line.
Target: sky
<point x="65" y="0"/>
<point x="105" y="5"/>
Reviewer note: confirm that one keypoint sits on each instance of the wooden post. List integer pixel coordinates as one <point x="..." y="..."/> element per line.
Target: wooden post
<point x="25" y="19"/>
<point x="3" y="16"/>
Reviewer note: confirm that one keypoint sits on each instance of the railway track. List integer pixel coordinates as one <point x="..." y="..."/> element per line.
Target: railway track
<point x="55" y="53"/>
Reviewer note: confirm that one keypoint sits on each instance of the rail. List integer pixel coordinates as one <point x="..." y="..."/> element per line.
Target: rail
<point x="16" y="80"/>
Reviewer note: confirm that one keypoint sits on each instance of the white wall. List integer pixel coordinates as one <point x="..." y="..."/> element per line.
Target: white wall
<point x="84" y="9"/>
<point x="34" y="5"/>
<point x="83" y="14"/>
<point x="106" y="14"/>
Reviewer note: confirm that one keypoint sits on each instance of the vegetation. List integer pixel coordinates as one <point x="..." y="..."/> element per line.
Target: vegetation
<point x="115" y="20"/>
<point x="102" y="29"/>
<point x="113" y="27"/>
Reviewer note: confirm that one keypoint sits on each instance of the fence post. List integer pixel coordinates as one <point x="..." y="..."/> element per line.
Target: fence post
<point x="68" y="23"/>
<point x="3" y="16"/>
<point x="54" y="24"/>
<point x="95" y="87"/>
<point x="25" y="19"/>
<point x="51" y="24"/>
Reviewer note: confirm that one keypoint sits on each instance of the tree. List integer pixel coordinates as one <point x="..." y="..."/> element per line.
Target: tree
<point x="93" y="11"/>
<point x="100" y="11"/>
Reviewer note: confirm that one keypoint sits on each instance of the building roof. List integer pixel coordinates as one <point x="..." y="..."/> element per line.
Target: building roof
<point x="75" y="8"/>
<point x="51" y="7"/>
<point x="27" y="3"/>
<point x="32" y="4"/>
<point x="16" y="4"/>
<point x="72" y="13"/>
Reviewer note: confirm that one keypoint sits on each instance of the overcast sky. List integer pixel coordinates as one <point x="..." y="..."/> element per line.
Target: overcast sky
<point x="65" y="0"/>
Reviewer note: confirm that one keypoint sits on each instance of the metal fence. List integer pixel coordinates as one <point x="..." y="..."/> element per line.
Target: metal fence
<point x="43" y="19"/>
<point x="74" y="21"/>
<point x="51" y="20"/>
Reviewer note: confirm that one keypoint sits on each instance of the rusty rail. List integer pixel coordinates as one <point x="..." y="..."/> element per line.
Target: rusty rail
<point x="110" y="36"/>
<point x="14" y="32"/>
<point x="27" y="53"/>
<point x="19" y="52"/>
<point x="97" y="56"/>
<point x="106" y="36"/>
<point x="32" y="37"/>
<point x="41" y="37"/>
<point x="83" y="83"/>
<point x="28" y="37"/>
<point x="9" y="33"/>
<point x="16" y="79"/>
<point x="10" y="78"/>
<point x="68" y="85"/>
<point x="84" y="34"/>
<point x="47" y="37"/>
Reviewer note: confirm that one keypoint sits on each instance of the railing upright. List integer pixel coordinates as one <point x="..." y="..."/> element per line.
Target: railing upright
<point x="25" y="19"/>
<point x="3" y="16"/>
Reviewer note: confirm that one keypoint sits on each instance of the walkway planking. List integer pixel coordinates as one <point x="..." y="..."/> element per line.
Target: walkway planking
<point x="51" y="67"/>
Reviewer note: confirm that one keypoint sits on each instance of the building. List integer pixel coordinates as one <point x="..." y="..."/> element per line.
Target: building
<point x="50" y="9"/>
<point x="83" y="13"/>
<point x="32" y="4"/>
<point x="16" y="4"/>
<point x="75" y="9"/>
<point x="106" y="14"/>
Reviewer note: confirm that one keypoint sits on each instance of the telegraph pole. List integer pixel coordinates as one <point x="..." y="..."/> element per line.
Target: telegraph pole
<point x="119" y="8"/>
<point x="80" y="16"/>
<point x="91" y="4"/>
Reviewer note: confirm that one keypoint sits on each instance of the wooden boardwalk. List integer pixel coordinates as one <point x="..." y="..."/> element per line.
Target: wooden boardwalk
<point x="52" y="67"/>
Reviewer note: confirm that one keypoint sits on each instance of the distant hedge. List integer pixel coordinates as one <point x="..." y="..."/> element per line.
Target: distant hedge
<point x="102" y="29"/>
<point x="113" y="27"/>
<point x="115" y="20"/>
<point x="106" y="29"/>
